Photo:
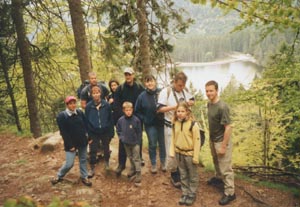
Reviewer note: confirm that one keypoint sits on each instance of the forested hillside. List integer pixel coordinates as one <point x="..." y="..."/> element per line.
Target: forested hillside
<point x="213" y="35"/>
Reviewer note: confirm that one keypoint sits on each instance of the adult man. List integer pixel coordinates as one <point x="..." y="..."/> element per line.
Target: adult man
<point x="168" y="99"/>
<point x="86" y="95"/>
<point x="220" y="142"/>
<point x="128" y="91"/>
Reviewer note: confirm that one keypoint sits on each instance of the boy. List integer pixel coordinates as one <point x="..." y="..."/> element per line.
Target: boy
<point x="73" y="131"/>
<point x="100" y="127"/>
<point x="130" y="134"/>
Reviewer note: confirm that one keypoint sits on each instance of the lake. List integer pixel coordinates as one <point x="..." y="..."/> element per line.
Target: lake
<point x="243" y="68"/>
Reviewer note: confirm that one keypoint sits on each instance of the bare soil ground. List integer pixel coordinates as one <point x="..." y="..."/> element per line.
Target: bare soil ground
<point x="27" y="171"/>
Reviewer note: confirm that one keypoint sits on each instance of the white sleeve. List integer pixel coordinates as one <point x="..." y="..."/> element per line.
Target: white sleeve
<point x="163" y="97"/>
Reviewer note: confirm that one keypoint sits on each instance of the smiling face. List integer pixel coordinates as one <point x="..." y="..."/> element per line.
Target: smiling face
<point x="71" y="105"/>
<point x="150" y="84"/>
<point x="211" y="93"/>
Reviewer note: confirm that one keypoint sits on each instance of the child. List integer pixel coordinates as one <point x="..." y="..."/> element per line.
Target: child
<point x="130" y="134"/>
<point x="100" y="127"/>
<point x="185" y="146"/>
<point x="73" y="131"/>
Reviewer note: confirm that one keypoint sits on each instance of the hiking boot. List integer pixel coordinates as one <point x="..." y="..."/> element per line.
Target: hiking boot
<point x="215" y="181"/>
<point x="182" y="200"/>
<point x="106" y="167"/>
<point x="119" y="170"/>
<point x="153" y="169"/>
<point x="56" y="180"/>
<point x="142" y="162"/>
<point x="86" y="182"/>
<point x="91" y="172"/>
<point x="175" y="179"/>
<point x="138" y="178"/>
<point x="131" y="173"/>
<point x="190" y="200"/>
<point x="226" y="199"/>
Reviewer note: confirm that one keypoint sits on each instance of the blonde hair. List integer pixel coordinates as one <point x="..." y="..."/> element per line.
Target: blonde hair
<point x="127" y="104"/>
<point x="96" y="88"/>
<point x="190" y="116"/>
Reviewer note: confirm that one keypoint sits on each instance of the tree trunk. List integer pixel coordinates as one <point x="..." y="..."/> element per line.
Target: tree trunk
<point x="144" y="50"/>
<point x="23" y="45"/>
<point x="10" y="89"/>
<point x="81" y="43"/>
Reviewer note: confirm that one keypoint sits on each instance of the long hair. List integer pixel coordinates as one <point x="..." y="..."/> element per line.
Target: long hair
<point x="190" y="115"/>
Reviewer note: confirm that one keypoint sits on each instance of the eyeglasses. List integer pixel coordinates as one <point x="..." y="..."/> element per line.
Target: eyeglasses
<point x="127" y="74"/>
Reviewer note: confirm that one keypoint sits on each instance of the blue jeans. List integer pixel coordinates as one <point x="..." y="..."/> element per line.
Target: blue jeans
<point x="155" y="135"/>
<point x="70" y="158"/>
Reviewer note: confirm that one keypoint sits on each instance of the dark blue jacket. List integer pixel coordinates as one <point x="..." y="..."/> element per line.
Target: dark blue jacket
<point x="72" y="129"/>
<point x="146" y="107"/>
<point x="129" y="130"/>
<point x="99" y="122"/>
<point x="124" y="93"/>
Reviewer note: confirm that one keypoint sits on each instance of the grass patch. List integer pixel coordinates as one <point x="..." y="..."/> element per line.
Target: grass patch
<point x="21" y="162"/>
<point x="284" y="188"/>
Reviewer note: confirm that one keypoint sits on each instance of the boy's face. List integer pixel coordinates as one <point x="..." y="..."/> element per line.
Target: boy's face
<point x="96" y="94"/>
<point x="128" y="111"/>
<point x="72" y="105"/>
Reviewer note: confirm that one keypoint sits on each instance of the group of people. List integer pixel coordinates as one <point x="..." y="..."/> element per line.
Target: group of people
<point x="168" y="121"/>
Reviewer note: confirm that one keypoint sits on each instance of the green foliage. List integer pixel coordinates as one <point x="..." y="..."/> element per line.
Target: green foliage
<point x="163" y="20"/>
<point x="26" y="201"/>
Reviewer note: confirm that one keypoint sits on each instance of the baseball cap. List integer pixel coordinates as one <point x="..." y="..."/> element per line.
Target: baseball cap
<point x="128" y="70"/>
<point x="70" y="98"/>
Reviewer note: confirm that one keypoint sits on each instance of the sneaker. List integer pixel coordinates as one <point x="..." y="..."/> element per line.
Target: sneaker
<point x="182" y="200"/>
<point x="190" y="200"/>
<point x="119" y="170"/>
<point x="56" y="180"/>
<point x="226" y="199"/>
<point x="215" y="181"/>
<point x="86" y="182"/>
<point x="153" y="169"/>
<point x="175" y="179"/>
<point x="91" y="172"/>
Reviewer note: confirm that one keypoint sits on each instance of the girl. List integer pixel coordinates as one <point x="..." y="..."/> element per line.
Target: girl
<point x="185" y="144"/>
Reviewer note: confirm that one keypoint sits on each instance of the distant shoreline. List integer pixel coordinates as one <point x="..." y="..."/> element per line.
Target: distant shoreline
<point x="232" y="58"/>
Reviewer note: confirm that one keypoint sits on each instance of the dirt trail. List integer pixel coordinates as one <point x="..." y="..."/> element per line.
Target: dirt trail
<point x="25" y="171"/>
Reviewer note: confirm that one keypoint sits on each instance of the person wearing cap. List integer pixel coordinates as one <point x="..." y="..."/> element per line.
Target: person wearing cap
<point x="86" y="94"/>
<point x="128" y="91"/>
<point x="71" y="124"/>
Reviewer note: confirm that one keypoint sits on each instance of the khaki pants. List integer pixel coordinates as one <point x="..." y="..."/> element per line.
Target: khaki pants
<point x="189" y="176"/>
<point x="171" y="161"/>
<point x="223" y="166"/>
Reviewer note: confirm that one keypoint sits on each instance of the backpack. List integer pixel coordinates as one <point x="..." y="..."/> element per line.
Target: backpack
<point x="82" y="85"/>
<point x="202" y="134"/>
